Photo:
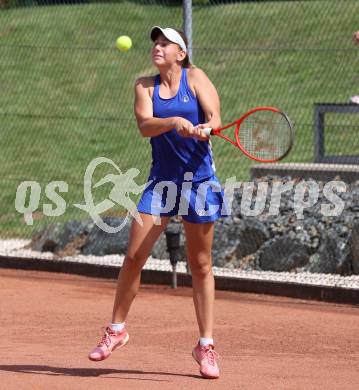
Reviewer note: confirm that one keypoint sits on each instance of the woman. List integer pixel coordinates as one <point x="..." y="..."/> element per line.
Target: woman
<point x="172" y="109"/>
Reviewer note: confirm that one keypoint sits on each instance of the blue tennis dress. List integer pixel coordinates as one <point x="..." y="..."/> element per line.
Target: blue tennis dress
<point x="182" y="174"/>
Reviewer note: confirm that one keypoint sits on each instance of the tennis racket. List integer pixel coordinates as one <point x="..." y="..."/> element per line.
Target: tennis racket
<point x="264" y="134"/>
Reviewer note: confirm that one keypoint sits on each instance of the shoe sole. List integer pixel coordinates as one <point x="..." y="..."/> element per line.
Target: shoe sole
<point x="120" y="345"/>
<point x="202" y="373"/>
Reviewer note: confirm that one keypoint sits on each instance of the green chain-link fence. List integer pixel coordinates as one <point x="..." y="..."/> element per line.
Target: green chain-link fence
<point x="67" y="93"/>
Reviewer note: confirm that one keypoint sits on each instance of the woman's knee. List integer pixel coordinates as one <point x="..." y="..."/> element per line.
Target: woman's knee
<point x="201" y="266"/>
<point x="135" y="261"/>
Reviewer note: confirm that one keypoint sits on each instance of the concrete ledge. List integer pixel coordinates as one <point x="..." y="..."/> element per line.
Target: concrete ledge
<point x="316" y="171"/>
<point x="292" y="290"/>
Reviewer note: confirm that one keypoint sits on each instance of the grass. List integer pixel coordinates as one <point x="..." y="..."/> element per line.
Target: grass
<point x="67" y="94"/>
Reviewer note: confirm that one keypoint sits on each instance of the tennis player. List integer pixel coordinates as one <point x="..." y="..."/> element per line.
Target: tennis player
<point x="171" y="109"/>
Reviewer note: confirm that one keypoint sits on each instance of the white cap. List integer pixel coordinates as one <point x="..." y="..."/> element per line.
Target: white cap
<point x="171" y="34"/>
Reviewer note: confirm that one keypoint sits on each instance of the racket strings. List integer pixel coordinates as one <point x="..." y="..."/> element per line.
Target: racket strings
<point x="266" y="135"/>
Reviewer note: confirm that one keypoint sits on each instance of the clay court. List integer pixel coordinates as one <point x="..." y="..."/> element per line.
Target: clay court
<point x="50" y="321"/>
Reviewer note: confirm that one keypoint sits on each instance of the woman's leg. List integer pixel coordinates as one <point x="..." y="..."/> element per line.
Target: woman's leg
<point x="199" y="238"/>
<point x="141" y="241"/>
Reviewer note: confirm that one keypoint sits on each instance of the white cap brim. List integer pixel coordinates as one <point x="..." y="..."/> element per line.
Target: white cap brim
<point x="171" y="34"/>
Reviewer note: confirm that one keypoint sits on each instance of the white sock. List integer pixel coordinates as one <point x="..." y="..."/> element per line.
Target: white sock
<point x="203" y="341"/>
<point x="117" y="327"/>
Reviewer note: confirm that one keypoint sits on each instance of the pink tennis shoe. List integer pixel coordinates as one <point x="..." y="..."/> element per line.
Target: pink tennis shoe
<point x="206" y="357"/>
<point x="110" y="341"/>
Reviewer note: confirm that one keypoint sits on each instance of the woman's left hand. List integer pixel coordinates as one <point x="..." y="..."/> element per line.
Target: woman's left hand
<point x="198" y="132"/>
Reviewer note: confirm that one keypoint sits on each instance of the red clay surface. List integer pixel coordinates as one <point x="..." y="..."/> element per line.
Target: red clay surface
<point x="50" y="321"/>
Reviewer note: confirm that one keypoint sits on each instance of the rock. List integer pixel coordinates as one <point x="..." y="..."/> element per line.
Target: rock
<point x="100" y="243"/>
<point x="226" y="240"/>
<point x="246" y="263"/>
<point x="251" y="235"/>
<point x="55" y="237"/>
<point x="354" y="249"/>
<point x="344" y="260"/>
<point x="325" y="261"/>
<point x="282" y="254"/>
<point x="47" y="239"/>
<point x="71" y="230"/>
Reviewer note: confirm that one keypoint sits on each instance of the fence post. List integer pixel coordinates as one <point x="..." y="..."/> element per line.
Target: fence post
<point x="187" y="24"/>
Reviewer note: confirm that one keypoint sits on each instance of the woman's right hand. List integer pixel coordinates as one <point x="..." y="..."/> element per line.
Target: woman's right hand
<point x="184" y="127"/>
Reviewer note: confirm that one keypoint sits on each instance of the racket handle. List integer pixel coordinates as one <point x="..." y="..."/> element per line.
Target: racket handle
<point x="207" y="131"/>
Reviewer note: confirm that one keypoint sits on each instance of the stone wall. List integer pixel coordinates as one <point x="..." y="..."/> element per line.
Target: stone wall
<point x="297" y="239"/>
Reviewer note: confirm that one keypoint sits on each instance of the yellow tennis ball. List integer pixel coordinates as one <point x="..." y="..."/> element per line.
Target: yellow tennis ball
<point x="124" y="43"/>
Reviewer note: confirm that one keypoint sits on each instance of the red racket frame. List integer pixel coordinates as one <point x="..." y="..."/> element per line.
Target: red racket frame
<point x="237" y="143"/>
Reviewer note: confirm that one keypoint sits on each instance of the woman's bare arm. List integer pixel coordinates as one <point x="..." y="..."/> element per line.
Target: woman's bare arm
<point x="149" y="125"/>
<point x="207" y="96"/>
